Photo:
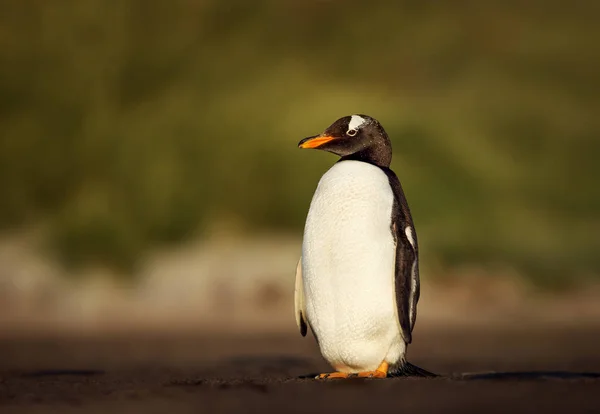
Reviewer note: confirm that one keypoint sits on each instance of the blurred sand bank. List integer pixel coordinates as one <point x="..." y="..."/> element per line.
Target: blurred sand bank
<point x="237" y="285"/>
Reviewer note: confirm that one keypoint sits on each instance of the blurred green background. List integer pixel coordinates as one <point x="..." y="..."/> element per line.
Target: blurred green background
<point x="134" y="124"/>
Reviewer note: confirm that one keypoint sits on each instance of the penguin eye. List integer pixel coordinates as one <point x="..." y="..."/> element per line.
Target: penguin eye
<point x="351" y="132"/>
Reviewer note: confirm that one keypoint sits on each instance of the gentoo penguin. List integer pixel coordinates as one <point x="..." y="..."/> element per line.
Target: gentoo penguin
<point x="357" y="281"/>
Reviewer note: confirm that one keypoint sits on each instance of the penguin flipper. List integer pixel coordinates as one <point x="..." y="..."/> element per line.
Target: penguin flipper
<point x="406" y="269"/>
<point x="404" y="274"/>
<point x="299" y="300"/>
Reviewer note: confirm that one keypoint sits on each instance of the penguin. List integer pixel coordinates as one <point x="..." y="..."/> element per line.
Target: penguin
<point x="357" y="280"/>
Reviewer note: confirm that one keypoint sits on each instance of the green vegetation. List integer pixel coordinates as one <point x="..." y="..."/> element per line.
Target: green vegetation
<point x="133" y="123"/>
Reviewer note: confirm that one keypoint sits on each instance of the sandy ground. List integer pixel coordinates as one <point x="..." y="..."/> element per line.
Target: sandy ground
<point x="484" y="369"/>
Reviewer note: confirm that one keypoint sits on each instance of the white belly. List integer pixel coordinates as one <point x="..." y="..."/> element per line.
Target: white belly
<point x="348" y="268"/>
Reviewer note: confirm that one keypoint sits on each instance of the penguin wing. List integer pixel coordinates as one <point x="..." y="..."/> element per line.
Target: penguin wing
<point x="299" y="300"/>
<point x="406" y="283"/>
<point x="406" y="271"/>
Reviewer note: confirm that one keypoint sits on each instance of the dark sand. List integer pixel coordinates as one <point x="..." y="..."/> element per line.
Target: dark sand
<point x="535" y="369"/>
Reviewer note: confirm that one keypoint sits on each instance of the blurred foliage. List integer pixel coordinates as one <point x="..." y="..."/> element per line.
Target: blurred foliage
<point x="127" y="124"/>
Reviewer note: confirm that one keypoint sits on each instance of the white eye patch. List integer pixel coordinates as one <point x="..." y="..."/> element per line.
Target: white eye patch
<point x="355" y="122"/>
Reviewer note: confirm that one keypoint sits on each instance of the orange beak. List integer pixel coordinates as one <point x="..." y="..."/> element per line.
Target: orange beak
<point x="314" y="142"/>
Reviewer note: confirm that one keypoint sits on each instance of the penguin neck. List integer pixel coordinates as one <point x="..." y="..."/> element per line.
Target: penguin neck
<point x="380" y="156"/>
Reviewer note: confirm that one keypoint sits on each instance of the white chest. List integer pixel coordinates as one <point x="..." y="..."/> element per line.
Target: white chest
<point x="348" y="265"/>
<point x="351" y="207"/>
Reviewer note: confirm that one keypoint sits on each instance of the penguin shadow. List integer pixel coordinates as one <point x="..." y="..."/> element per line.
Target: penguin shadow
<point x="362" y="379"/>
<point x="526" y="376"/>
<point x="491" y="376"/>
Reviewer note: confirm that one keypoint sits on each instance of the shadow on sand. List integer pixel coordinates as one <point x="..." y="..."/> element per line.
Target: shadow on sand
<point x="63" y="372"/>
<point x="504" y="376"/>
<point x="527" y="375"/>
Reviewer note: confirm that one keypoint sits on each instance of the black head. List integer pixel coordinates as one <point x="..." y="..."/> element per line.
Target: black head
<point x="356" y="137"/>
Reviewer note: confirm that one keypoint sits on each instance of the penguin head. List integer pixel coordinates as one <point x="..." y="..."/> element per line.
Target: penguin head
<point x="356" y="137"/>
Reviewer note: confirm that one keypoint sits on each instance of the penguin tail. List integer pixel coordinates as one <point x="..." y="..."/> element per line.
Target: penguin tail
<point x="406" y="369"/>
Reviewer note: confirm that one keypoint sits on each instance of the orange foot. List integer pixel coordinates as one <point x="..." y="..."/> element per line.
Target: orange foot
<point x="380" y="372"/>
